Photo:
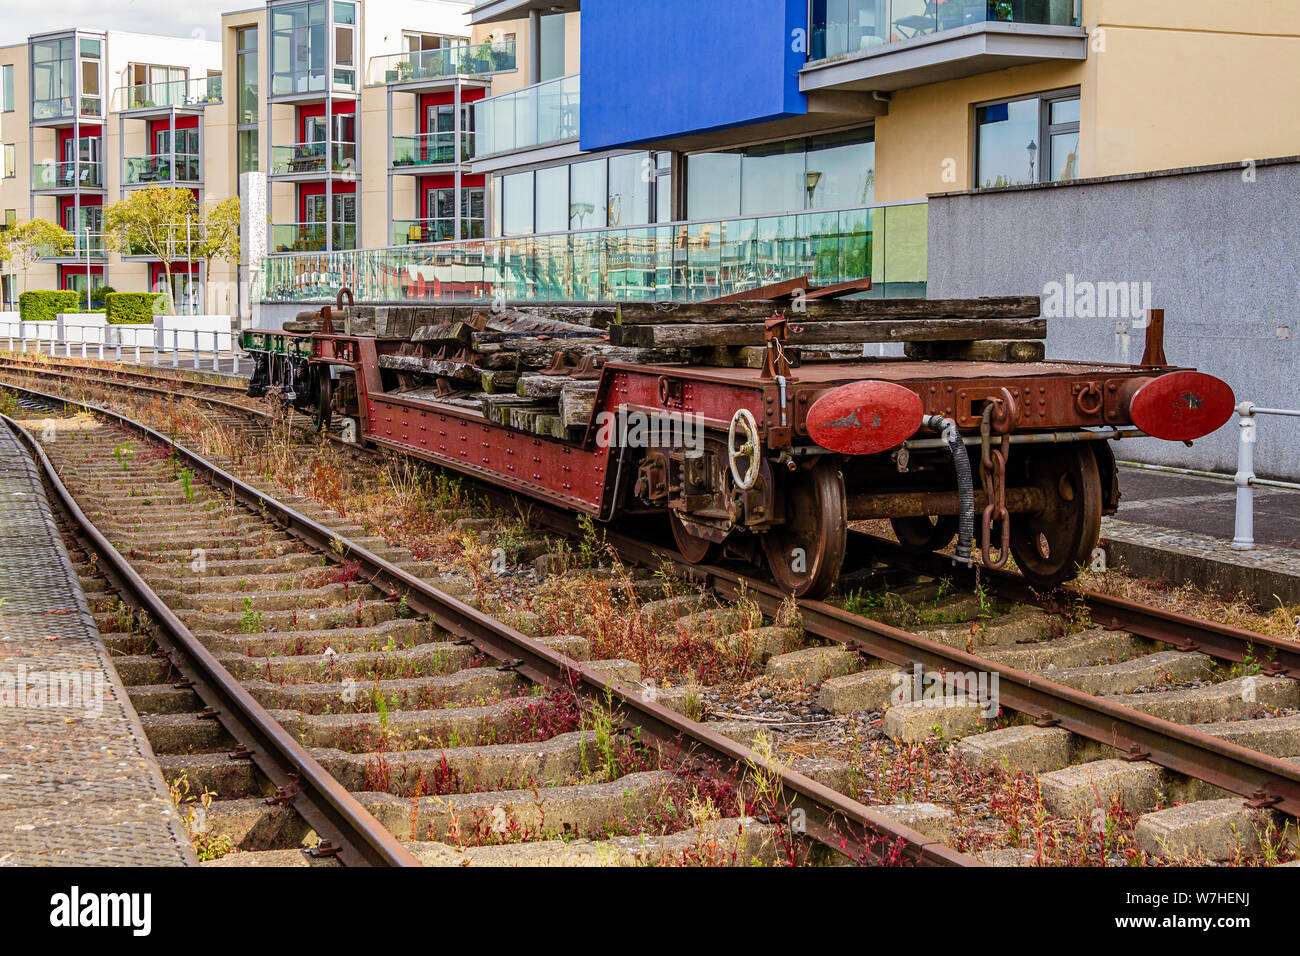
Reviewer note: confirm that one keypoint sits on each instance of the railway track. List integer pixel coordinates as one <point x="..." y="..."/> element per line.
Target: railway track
<point x="435" y="733"/>
<point x="1145" y="693"/>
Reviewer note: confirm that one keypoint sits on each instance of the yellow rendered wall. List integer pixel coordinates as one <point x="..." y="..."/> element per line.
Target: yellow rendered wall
<point x="1167" y="83"/>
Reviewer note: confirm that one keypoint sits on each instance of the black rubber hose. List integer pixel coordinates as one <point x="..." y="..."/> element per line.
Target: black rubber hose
<point x="947" y="430"/>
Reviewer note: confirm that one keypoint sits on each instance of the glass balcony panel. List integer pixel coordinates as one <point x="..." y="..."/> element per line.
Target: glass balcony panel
<point x="201" y="91"/>
<point x="68" y="175"/>
<point x="431" y="149"/>
<point x="842" y="27"/>
<point x="534" y="116"/>
<point x="310" y="158"/>
<point x="160" y="167"/>
<point x="690" y="261"/>
<point x="477" y="60"/>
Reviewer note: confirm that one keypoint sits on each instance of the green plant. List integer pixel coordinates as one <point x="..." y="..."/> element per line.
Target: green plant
<point x="187" y="483"/>
<point x="44" y="306"/>
<point x="592" y="542"/>
<point x="123" y="453"/>
<point x="252" y="621"/>
<point x="133" y="308"/>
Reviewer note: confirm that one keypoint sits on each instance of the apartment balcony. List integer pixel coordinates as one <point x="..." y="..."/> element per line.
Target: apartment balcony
<point x="411" y="232"/>
<point x="161" y="169"/>
<point x="67" y="177"/>
<point x="188" y="95"/>
<point x="310" y="236"/>
<point x="544" y="115"/>
<point x="870" y="45"/>
<point x="422" y="68"/>
<point x="64" y="110"/>
<point x="308" y="161"/>
<point x="79" y="248"/>
<point x="416" y="154"/>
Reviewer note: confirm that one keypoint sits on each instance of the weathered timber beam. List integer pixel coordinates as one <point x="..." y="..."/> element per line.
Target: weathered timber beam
<point x="829" y="333"/>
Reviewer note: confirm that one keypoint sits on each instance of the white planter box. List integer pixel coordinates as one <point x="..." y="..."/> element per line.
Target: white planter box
<point x="129" y="336"/>
<point x="78" y="327"/>
<point x="183" y="330"/>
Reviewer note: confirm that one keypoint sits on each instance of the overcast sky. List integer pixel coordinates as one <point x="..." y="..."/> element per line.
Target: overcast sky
<point x="22" y="18"/>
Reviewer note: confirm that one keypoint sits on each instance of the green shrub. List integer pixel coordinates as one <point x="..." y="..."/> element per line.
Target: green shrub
<point x="44" y="306"/>
<point x="131" y="308"/>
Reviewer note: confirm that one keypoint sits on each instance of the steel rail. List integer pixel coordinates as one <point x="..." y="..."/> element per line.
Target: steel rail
<point x="1274" y="655"/>
<point x="327" y="806"/>
<point x="832" y="818"/>
<point x="61" y="363"/>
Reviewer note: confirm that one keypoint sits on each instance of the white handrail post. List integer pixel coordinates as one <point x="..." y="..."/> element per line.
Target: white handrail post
<point x="176" y="348"/>
<point x="84" y="353"/>
<point x="1243" y="538"/>
<point x="195" y="333"/>
<point x="216" y="351"/>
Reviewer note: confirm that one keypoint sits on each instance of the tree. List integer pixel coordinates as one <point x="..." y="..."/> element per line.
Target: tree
<point x="31" y="240"/>
<point x="218" y="234"/>
<point x="153" y="221"/>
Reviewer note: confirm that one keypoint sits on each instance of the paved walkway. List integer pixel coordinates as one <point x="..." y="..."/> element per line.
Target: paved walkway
<point x="1181" y="527"/>
<point x="78" y="781"/>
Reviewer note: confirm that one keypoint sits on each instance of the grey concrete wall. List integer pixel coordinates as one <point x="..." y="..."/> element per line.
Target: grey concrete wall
<point x="1222" y="255"/>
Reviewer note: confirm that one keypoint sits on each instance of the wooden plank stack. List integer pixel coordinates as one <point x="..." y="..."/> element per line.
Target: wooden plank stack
<point x="536" y="367"/>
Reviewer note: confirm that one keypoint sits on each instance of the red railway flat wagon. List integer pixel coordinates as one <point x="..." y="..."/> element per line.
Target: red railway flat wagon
<point x="1011" y="457"/>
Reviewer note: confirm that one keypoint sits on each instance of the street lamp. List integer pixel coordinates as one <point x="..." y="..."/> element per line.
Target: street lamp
<point x="812" y="179"/>
<point x="1032" y="148"/>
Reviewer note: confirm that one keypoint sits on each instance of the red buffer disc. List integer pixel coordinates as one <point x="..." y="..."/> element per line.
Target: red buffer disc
<point x="1181" y="406"/>
<point x="865" y="418"/>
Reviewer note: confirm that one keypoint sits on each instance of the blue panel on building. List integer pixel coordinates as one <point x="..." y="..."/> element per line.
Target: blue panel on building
<point x="659" y="69"/>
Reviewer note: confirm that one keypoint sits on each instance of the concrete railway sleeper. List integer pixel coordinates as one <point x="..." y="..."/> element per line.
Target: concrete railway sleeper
<point x="438" y="692"/>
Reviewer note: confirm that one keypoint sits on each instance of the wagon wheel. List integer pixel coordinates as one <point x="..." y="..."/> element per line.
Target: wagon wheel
<point x="694" y="549"/>
<point x="1050" y="544"/>
<point x="806" y="553"/>
<point x="324" y="400"/>
<point x="925" y="533"/>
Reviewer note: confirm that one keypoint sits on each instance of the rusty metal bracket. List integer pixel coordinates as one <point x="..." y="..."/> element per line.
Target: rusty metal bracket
<point x="588" y="367"/>
<point x="1260" y="800"/>
<point x="775" y="361"/>
<point x="562" y="363"/>
<point x="1136" y="754"/>
<point x="241" y="753"/>
<point x="1154" y="351"/>
<point x="323" y="850"/>
<point x="993" y="476"/>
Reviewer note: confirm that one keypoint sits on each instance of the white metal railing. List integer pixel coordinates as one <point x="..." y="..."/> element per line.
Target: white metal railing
<point x="158" y="343"/>
<point x="1243" y="538"/>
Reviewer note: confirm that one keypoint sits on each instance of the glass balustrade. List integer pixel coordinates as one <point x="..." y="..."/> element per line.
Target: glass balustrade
<point x="479" y="59"/>
<point x="533" y="116"/>
<point x="161" y="168"/>
<point x="841" y="27"/>
<point x="202" y="91"/>
<point x="681" y="262"/>
<point x="70" y="175"/>
<point x="431" y="149"/>
<point x="310" y="158"/>
<point x="310" y="236"/>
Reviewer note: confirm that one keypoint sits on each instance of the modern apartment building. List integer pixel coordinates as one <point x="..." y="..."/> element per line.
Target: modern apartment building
<point x="355" y="119"/>
<point x="88" y="116"/>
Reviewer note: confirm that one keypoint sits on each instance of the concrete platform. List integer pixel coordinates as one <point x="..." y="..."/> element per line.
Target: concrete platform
<point x="1180" y="528"/>
<point x="79" y="784"/>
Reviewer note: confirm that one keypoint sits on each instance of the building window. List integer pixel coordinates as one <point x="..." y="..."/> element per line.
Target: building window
<point x="552" y="199"/>
<point x="247" y="148"/>
<point x="552" y="44"/>
<point x="517" y="204"/>
<point x="11" y="161"/>
<point x="11" y="218"/>
<point x="246" y="75"/>
<point x="1029" y="140"/>
<point x="298" y="48"/>
<point x="54" y="66"/>
<point x="834" y="171"/>
<point x="7" y="88"/>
